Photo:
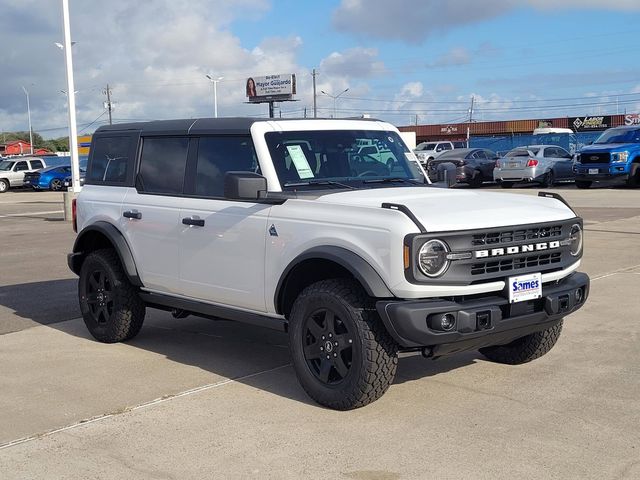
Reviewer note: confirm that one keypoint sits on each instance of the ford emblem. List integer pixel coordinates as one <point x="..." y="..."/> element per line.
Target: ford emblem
<point x="594" y="157"/>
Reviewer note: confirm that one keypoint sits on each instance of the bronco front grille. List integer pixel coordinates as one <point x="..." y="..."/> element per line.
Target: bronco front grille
<point x="587" y="158"/>
<point x="518" y="235"/>
<point x="517" y="263"/>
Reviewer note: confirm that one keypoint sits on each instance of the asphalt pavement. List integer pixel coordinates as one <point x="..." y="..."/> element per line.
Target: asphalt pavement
<point x="195" y="398"/>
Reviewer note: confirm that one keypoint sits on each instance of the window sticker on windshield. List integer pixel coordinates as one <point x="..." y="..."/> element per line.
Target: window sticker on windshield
<point x="300" y="161"/>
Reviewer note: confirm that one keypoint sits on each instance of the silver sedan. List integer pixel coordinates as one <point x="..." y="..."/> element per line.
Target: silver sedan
<point x="544" y="164"/>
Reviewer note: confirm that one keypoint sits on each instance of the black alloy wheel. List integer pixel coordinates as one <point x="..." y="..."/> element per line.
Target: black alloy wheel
<point x="111" y="307"/>
<point x="342" y="354"/>
<point x="328" y="346"/>
<point x="548" y="180"/>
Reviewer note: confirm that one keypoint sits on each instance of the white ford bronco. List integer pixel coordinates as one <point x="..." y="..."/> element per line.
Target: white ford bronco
<point x="280" y="224"/>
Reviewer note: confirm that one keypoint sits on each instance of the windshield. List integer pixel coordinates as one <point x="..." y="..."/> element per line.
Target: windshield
<point x="426" y="146"/>
<point x="619" y="135"/>
<point x="6" y="166"/>
<point x="326" y="157"/>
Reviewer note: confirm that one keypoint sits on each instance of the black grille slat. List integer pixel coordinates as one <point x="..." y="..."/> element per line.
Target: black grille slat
<point x="591" y="158"/>
<point x="519" y="235"/>
<point x="516" y="263"/>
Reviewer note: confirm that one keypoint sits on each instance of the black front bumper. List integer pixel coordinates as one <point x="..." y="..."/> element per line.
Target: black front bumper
<point x="480" y="321"/>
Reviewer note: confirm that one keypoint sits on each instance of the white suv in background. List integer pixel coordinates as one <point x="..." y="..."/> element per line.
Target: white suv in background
<point x="283" y="224"/>
<point x="427" y="151"/>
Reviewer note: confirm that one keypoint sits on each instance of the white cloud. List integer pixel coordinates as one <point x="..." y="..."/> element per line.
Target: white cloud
<point x="356" y="62"/>
<point x="415" y="20"/>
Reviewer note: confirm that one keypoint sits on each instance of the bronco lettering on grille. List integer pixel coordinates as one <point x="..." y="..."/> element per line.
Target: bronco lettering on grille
<point x="498" y="252"/>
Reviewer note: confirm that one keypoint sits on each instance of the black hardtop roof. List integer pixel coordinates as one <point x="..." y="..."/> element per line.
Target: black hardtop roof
<point x="229" y="125"/>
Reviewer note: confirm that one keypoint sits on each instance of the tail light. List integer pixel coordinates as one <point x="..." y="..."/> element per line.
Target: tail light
<point x="532" y="162"/>
<point x="74" y="215"/>
<point x="498" y="164"/>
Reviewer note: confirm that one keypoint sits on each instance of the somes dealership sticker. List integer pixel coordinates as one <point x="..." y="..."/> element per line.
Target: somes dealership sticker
<point x="525" y="287"/>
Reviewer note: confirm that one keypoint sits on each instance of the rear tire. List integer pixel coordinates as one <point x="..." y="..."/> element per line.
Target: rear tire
<point x="55" y="185"/>
<point x="548" y="179"/>
<point x="583" y="183"/>
<point x="506" y="184"/>
<point x="342" y="354"/>
<point x="110" y="305"/>
<point x="476" y="181"/>
<point x="524" y="349"/>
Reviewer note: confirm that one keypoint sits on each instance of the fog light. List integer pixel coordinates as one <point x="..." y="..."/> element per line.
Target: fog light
<point x="579" y="295"/>
<point x="444" y="322"/>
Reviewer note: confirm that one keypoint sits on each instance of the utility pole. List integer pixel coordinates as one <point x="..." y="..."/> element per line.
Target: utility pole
<point x="26" y="92"/>
<point x="470" y="120"/>
<point x="107" y="104"/>
<point x="315" y="109"/>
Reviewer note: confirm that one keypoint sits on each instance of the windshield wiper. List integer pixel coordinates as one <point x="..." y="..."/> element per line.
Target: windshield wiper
<point x="392" y="180"/>
<point x="319" y="182"/>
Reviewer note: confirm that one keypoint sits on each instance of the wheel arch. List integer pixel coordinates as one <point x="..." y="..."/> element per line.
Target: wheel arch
<point x="321" y="263"/>
<point x="104" y="235"/>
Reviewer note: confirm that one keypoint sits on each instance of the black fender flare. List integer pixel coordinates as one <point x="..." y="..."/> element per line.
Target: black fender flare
<point x="116" y="239"/>
<point x="361" y="270"/>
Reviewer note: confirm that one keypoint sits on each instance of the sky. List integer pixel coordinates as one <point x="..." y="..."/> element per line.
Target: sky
<point x="404" y="61"/>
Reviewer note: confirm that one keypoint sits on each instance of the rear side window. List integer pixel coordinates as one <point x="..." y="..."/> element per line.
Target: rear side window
<point x="219" y="155"/>
<point x="162" y="164"/>
<point x="110" y="160"/>
<point x="35" y="164"/>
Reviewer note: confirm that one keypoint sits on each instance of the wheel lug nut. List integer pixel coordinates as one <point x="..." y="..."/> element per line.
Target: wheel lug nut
<point x="330" y="335"/>
<point x="350" y="341"/>
<point x="328" y="357"/>
<point x="323" y="337"/>
<point x="335" y="354"/>
<point x="321" y="348"/>
<point x="336" y="344"/>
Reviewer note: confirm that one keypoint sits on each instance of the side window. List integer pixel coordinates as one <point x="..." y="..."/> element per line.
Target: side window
<point x="550" y="152"/>
<point x="21" y="167"/>
<point x="36" y="164"/>
<point x="162" y="164"/>
<point x="219" y="155"/>
<point x="109" y="161"/>
<point x="562" y="153"/>
<point x="479" y="154"/>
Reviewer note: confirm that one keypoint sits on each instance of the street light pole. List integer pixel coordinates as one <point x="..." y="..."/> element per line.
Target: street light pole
<point x="215" y="81"/>
<point x="335" y="98"/>
<point x="71" y="97"/>
<point x="26" y="92"/>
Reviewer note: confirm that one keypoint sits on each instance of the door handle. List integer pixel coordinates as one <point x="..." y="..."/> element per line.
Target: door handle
<point x="196" y="222"/>
<point x="132" y="214"/>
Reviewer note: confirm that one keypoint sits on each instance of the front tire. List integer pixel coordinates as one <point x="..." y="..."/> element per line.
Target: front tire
<point x="4" y="185"/>
<point x="342" y="354"/>
<point x="634" y="176"/>
<point x="524" y="349"/>
<point x="506" y="184"/>
<point x="110" y="305"/>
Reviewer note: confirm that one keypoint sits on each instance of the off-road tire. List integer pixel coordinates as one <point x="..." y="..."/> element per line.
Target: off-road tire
<point x="524" y="349"/>
<point x="507" y="184"/>
<point x="4" y="185"/>
<point x="583" y="183"/>
<point x="110" y="305"/>
<point x="372" y="352"/>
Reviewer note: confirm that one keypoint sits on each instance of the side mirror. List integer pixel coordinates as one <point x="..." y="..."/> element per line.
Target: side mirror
<point x="244" y="186"/>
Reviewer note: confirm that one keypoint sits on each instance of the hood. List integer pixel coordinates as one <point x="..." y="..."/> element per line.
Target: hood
<point x="608" y="147"/>
<point x="440" y="209"/>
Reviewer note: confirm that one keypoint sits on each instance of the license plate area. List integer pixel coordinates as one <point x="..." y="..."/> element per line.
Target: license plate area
<point x="594" y="171"/>
<point x="525" y="287"/>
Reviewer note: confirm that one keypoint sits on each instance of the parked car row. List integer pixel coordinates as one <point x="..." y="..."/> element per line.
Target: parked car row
<point x="33" y="172"/>
<point x="613" y="158"/>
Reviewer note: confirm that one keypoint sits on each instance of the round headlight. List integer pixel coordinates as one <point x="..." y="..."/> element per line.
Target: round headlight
<point x="432" y="258"/>
<point x="575" y="240"/>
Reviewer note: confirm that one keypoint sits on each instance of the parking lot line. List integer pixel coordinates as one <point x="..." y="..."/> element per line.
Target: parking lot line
<point x="150" y="403"/>
<point x="615" y="272"/>
<point x="30" y="214"/>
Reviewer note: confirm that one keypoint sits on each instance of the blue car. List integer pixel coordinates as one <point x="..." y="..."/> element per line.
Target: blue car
<point x="613" y="158"/>
<point x="50" y="178"/>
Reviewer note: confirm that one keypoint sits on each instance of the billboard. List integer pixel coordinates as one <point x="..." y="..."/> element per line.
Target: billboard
<point x="587" y="124"/>
<point x="271" y="88"/>
<point x="632" y="119"/>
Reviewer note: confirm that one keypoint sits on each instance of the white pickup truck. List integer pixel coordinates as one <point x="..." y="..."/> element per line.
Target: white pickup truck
<point x="276" y="224"/>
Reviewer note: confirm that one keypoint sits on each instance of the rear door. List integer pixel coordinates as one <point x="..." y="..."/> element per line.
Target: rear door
<point x="222" y="242"/>
<point x="150" y="212"/>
